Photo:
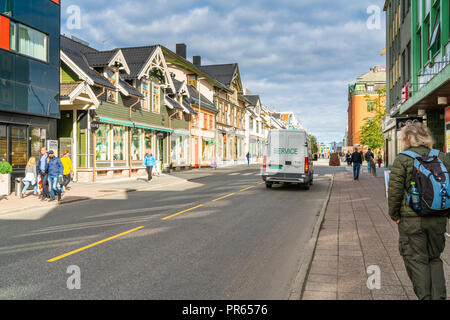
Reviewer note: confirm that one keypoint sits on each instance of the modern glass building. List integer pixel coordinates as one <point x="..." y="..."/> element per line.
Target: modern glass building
<point x="29" y="78"/>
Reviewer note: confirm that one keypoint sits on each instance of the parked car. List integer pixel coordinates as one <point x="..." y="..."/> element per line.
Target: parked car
<point x="288" y="158"/>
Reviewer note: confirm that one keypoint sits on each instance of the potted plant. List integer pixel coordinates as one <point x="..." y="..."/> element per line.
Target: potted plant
<point x="334" y="160"/>
<point x="171" y="167"/>
<point x="5" y="178"/>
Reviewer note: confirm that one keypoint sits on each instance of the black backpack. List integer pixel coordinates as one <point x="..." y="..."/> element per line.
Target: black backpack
<point x="433" y="182"/>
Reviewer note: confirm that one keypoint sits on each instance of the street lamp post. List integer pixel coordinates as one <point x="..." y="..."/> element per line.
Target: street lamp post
<point x="199" y="132"/>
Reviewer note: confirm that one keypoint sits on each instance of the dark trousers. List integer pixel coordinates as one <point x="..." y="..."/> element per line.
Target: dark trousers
<point x="149" y="172"/>
<point x="356" y="168"/>
<point x="45" y="186"/>
<point x="421" y="242"/>
<point x="66" y="180"/>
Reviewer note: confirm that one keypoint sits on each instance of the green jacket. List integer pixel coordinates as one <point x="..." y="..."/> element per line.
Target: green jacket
<point x="400" y="180"/>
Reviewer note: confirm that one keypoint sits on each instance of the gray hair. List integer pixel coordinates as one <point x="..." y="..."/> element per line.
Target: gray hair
<point x="418" y="133"/>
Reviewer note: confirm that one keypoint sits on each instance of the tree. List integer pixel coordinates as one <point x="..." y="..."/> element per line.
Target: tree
<point x="313" y="140"/>
<point x="372" y="132"/>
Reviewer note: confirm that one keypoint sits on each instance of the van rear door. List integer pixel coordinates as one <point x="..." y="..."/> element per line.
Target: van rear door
<point x="295" y="153"/>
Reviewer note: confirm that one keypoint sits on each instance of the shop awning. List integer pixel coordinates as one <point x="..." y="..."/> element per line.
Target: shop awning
<point x="182" y="132"/>
<point x="115" y="121"/>
<point x="131" y="124"/>
<point x="149" y="127"/>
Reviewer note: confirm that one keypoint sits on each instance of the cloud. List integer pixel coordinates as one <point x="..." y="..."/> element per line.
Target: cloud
<point x="298" y="55"/>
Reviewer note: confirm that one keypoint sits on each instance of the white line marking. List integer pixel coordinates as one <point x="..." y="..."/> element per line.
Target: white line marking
<point x="234" y="174"/>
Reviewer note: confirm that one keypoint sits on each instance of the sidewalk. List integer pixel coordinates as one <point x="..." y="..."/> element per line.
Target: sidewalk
<point x="357" y="232"/>
<point x="85" y="191"/>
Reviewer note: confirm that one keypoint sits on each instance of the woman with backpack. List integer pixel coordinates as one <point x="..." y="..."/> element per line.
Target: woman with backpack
<point x="421" y="238"/>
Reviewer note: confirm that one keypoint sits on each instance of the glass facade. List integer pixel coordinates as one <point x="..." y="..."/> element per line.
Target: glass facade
<point x="29" y="85"/>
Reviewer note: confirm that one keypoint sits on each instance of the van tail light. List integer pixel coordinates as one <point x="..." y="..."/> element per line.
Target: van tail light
<point x="264" y="163"/>
<point x="306" y="165"/>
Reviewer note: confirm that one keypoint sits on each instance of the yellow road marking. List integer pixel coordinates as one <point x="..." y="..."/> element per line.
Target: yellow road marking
<point x="175" y="214"/>
<point x="228" y="195"/>
<point x="248" y="188"/>
<point x="94" y="244"/>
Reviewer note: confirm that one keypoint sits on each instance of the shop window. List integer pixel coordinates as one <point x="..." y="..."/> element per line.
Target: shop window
<point x="102" y="143"/>
<point x="118" y="143"/>
<point x="18" y="147"/>
<point x="31" y="42"/>
<point x="37" y="137"/>
<point x="148" y="136"/>
<point x="136" y="144"/>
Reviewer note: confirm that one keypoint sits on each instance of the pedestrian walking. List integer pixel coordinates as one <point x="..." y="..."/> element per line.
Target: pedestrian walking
<point x="67" y="164"/>
<point x="30" y="177"/>
<point x="369" y="156"/>
<point x="421" y="239"/>
<point x="149" y="162"/>
<point x="248" y="158"/>
<point x="43" y="174"/>
<point x="348" y="158"/>
<point x="55" y="173"/>
<point x="357" y="161"/>
<point x="379" y="159"/>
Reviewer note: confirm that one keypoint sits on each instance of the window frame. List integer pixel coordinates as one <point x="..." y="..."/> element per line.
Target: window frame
<point x="113" y="81"/>
<point x="16" y="50"/>
<point x="158" y="94"/>
<point x="146" y="94"/>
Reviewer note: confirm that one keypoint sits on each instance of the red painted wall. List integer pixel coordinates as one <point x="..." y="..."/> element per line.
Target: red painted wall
<point x="4" y="33"/>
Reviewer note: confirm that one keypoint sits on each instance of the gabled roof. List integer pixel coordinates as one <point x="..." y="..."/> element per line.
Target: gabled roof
<point x="107" y="59"/>
<point x="253" y="99"/>
<point x="137" y="58"/>
<point x="75" y="51"/>
<point x="176" y="59"/>
<point x="221" y="72"/>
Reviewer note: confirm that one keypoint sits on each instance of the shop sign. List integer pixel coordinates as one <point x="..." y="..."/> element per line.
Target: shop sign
<point x="94" y="126"/>
<point x="53" y="145"/>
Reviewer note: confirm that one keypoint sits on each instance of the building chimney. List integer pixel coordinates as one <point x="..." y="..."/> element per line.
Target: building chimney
<point x="181" y="50"/>
<point x="197" y="61"/>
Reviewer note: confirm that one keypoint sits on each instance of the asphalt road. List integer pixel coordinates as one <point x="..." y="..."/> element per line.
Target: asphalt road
<point x="247" y="244"/>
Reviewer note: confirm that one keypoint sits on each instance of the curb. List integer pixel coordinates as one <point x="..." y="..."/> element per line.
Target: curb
<point x="300" y="280"/>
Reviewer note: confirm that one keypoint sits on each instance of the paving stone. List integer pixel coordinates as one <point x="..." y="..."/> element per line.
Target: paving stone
<point x="318" y="295"/>
<point x="322" y="278"/>
<point x="321" y="286"/>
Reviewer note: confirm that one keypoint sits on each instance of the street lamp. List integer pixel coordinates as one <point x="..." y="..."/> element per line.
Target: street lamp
<point x="199" y="132"/>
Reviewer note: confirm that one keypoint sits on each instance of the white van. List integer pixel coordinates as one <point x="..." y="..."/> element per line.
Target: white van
<point x="288" y="158"/>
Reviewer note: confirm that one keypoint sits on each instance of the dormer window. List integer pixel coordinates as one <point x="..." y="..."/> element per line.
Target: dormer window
<point x="111" y="95"/>
<point x="192" y="80"/>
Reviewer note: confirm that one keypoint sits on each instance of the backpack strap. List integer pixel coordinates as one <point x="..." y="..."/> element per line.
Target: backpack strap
<point x="434" y="153"/>
<point x="411" y="154"/>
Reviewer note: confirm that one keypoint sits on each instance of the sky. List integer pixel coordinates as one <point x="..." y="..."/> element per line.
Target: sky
<point x="298" y="55"/>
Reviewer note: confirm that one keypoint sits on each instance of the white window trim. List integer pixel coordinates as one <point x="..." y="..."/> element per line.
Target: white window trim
<point x="154" y="85"/>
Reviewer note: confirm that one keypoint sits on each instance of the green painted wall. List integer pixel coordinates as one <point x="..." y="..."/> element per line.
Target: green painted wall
<point x="67" y="75"/>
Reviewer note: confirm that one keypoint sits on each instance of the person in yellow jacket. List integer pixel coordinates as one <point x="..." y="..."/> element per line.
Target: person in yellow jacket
<point x="67" y="164"/>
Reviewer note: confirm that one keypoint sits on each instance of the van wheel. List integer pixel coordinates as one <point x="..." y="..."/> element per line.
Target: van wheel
<point x="268" y="185"/>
